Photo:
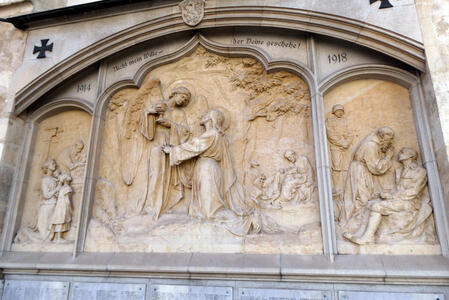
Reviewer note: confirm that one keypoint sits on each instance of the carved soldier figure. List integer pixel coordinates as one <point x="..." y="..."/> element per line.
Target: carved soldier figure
<point x="405" y="202"/>
<point x="165" y="123"/>
<point x="373" y="157"/>
<point x="340" y="138"/>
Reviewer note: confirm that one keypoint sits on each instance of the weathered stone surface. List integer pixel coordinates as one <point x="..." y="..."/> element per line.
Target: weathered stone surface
<point x="263" y="197"/>
<point x="380" y="296"/>
<point x="35" y="290"/>
<point x="107" y="291"/>
<point x="60" y="138"/>
<point x="278" y="294"/>
<point x="181" y="292"/>
<point x="378" y="104"/>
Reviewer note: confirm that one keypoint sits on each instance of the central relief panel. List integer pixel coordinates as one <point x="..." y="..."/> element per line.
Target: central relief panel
<point x="210" y="154"/>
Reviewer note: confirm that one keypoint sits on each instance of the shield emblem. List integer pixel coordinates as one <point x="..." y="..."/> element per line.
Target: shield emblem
<point x="192" y="11"/>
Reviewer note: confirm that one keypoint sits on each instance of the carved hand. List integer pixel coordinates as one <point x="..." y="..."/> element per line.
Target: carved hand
<point x="385" y="195"/>
<point x="164" y="122"/>
<point x="166" y="148"/>
<point x="160" y="107"/>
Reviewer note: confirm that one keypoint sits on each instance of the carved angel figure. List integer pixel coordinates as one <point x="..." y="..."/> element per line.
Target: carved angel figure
<point x="403" y="210"/>
<point x="165" y="123"/>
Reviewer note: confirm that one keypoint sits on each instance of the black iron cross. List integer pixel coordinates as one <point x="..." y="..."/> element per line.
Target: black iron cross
<point x="44" y="47"/>
<point x="383" y="3"/>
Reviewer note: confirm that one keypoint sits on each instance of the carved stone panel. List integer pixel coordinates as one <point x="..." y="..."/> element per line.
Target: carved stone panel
<point x="107" y="291"/>
<point x="35" y="290"/>
<point x="54" y="183"/>
<point x="279" y="45"/>
<point x="281" y="294"/>
<point x="125" y="64"/>
<point x="333" y="55"/>
<point x="210" y="154"/>
<point x="381" y="200"/>
<point x="181" y="292"/>
<point x="344" y="295"/>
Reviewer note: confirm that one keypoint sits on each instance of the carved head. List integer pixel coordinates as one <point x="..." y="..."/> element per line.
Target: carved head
<point x="65" y="178"/>
<point x="290" y="155"/>
<point x="78" y="146"/>
<point x="181" y="96"/>
<point x="406" y="153"/>
<point x="386" y="135"/>
<point x="57" y="173"/>
<point x="338" y="110"/>
<point x="216" y="117"/>
<point x="49" y="165"/>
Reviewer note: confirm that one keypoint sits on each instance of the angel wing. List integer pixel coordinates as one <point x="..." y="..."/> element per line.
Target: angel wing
<point x="135" y="124"/>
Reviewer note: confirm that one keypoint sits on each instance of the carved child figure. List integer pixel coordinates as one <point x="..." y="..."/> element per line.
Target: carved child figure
<point x="62" y="213"/>
<point x="404" y="202"/>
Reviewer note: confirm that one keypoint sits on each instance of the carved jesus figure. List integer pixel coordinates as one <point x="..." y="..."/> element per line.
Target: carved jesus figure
<point x="164" y="123"/>
<point x="214" y="183"/>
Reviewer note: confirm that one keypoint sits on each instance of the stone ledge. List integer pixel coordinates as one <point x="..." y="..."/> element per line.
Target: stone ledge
<point x="417" y="270"/>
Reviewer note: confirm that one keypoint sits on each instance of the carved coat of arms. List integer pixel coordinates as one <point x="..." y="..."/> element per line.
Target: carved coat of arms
<point x="192" y="11"/>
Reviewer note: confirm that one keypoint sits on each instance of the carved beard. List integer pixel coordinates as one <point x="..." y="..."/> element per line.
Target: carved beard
<point x="384" y="145"/>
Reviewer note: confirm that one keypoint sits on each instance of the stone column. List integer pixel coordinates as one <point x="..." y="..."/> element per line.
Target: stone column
<point x="434" y="21"/>
<point x="12" y="45"/>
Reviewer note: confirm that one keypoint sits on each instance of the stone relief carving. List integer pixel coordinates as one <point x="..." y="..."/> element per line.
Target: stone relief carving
<point x="55" y="212"/>
<point x="372" y="157"/>
<point x="165" y="123"/>
<point x="403" y="209"/>
<point x="190" y="149"/>
<point x="380" y="202"/>
<point x="72" y="160"/>
<point x="293" y="184"/>
<point x="192" y="11"/>
<point x="340" y="139"/>
<point x="55" y="181"/>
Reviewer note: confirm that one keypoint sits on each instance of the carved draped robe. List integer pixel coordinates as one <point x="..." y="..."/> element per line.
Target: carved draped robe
<point x="49" y="189"/>
<point x="368" y="161"/>
<point x="62" y="213"/>
<point x="409" y="208"/>
<point x="166" y="183"/>
<point x="214" y="183"/>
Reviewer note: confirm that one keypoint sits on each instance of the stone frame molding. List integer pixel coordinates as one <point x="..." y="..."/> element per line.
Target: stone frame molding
<point x="317" y="90"/>
<point x="15" y="207"/>
<point x="395" y="45"/>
